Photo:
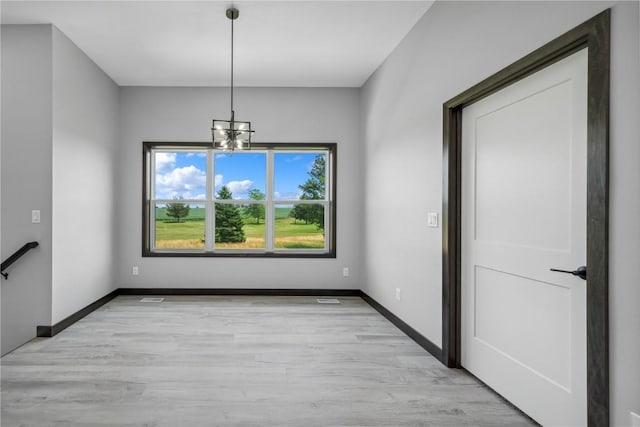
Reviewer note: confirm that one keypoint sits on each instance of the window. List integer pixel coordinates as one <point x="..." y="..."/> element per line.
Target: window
<point x="274" y="200"/>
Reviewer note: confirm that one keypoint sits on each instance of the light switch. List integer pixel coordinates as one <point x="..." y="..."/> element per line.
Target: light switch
<point x="432" y="219"/>
<point x="35" y="217"/>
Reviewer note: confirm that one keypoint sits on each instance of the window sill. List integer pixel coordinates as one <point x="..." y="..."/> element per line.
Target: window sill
<point x="235" y="254"/>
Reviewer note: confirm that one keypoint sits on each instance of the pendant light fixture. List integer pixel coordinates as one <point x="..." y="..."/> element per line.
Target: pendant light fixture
<point x="230" y="135"/>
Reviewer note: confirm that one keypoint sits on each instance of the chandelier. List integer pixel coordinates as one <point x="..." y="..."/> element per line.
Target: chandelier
<point x="230" y="135"/>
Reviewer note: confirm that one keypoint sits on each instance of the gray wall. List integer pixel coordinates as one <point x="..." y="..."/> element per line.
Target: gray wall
<point x="277" y="115"/>
<point x="454" y="46"/>
<point x="85" y="140"/>
<point x="59" y="140"/>
<point x="26" y="179"/>
<point x="387" y="183"/>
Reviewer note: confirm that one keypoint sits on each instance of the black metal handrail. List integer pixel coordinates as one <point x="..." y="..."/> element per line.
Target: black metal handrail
<point x="16" y="255"/>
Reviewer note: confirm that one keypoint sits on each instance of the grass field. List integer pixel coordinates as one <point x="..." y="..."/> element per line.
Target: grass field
<point x="189" y="232"/>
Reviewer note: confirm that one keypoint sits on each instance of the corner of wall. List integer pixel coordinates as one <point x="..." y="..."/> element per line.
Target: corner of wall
<point x="26" y="177"/>
<point x="84" y="140"/>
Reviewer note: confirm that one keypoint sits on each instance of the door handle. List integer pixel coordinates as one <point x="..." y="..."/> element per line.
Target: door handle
<point x="581" y="272"/>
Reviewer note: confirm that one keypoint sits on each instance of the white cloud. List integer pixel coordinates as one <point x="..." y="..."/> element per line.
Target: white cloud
<point x="286" y="196"/>
<point x="165" y="162"/>
<point x="187" y="182"/>
<point x="293" y="159"/>
<point x="239" y="188"/>
<point x="190" y="196"/>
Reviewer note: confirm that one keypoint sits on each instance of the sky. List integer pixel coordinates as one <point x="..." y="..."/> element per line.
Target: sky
<point x="183" y="174"/>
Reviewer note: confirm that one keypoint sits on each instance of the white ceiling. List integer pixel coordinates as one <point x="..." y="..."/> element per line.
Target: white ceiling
<point x="326" y="43"/>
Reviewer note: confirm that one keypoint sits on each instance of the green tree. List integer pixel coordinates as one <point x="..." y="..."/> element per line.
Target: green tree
<point x="312" y="189"/>
<point x="301" y="212"/>
<point x="229" y="224"/>
<point x="255" y="210"/>
<point x="177" y="210"/>
<point x="296" y="213"/>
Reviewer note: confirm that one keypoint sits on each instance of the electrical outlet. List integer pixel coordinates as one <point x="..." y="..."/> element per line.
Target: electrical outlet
<point x="135" y="271"/>
<point x="398" y="294"/>
<point x="345" y="272"/>
<point x="35" y="217"/>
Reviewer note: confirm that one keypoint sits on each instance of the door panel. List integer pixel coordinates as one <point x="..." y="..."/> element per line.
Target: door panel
<point x="531" y="334"/>
<point x="516" y="187"/>
<point x="524" y="212"/>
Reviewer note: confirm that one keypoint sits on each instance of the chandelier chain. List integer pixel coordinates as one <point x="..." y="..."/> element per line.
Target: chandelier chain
<point x="229" y="135"/>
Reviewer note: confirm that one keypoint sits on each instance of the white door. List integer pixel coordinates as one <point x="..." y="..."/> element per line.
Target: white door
<point x="523" y="212"/>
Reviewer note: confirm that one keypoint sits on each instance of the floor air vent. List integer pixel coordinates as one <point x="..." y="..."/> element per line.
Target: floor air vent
<point x="328" y="301"/>
<point x="152" y="300"/>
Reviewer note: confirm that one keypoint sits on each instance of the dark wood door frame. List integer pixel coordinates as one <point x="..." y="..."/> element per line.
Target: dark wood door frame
<point x="593" y="34"/>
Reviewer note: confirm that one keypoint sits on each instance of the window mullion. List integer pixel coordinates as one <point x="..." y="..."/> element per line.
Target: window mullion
<point x="328" y="200"/>
<point x="210" y="223"/>
<point x="327" y="224"/>
<point x="151" y="188"/>
<point x="269" y="216"/>
<point x="152" y="222"/>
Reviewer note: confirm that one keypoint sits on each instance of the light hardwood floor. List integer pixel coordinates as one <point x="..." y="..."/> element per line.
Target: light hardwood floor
<point x="239" y="361"/>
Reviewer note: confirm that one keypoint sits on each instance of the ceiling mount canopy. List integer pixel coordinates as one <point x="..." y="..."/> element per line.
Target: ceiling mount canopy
<point x="232" y="13"/>
<point x="230" y="135"/>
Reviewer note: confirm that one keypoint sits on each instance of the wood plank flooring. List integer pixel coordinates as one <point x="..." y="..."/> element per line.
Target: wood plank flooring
<point x="239" y="361"/>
